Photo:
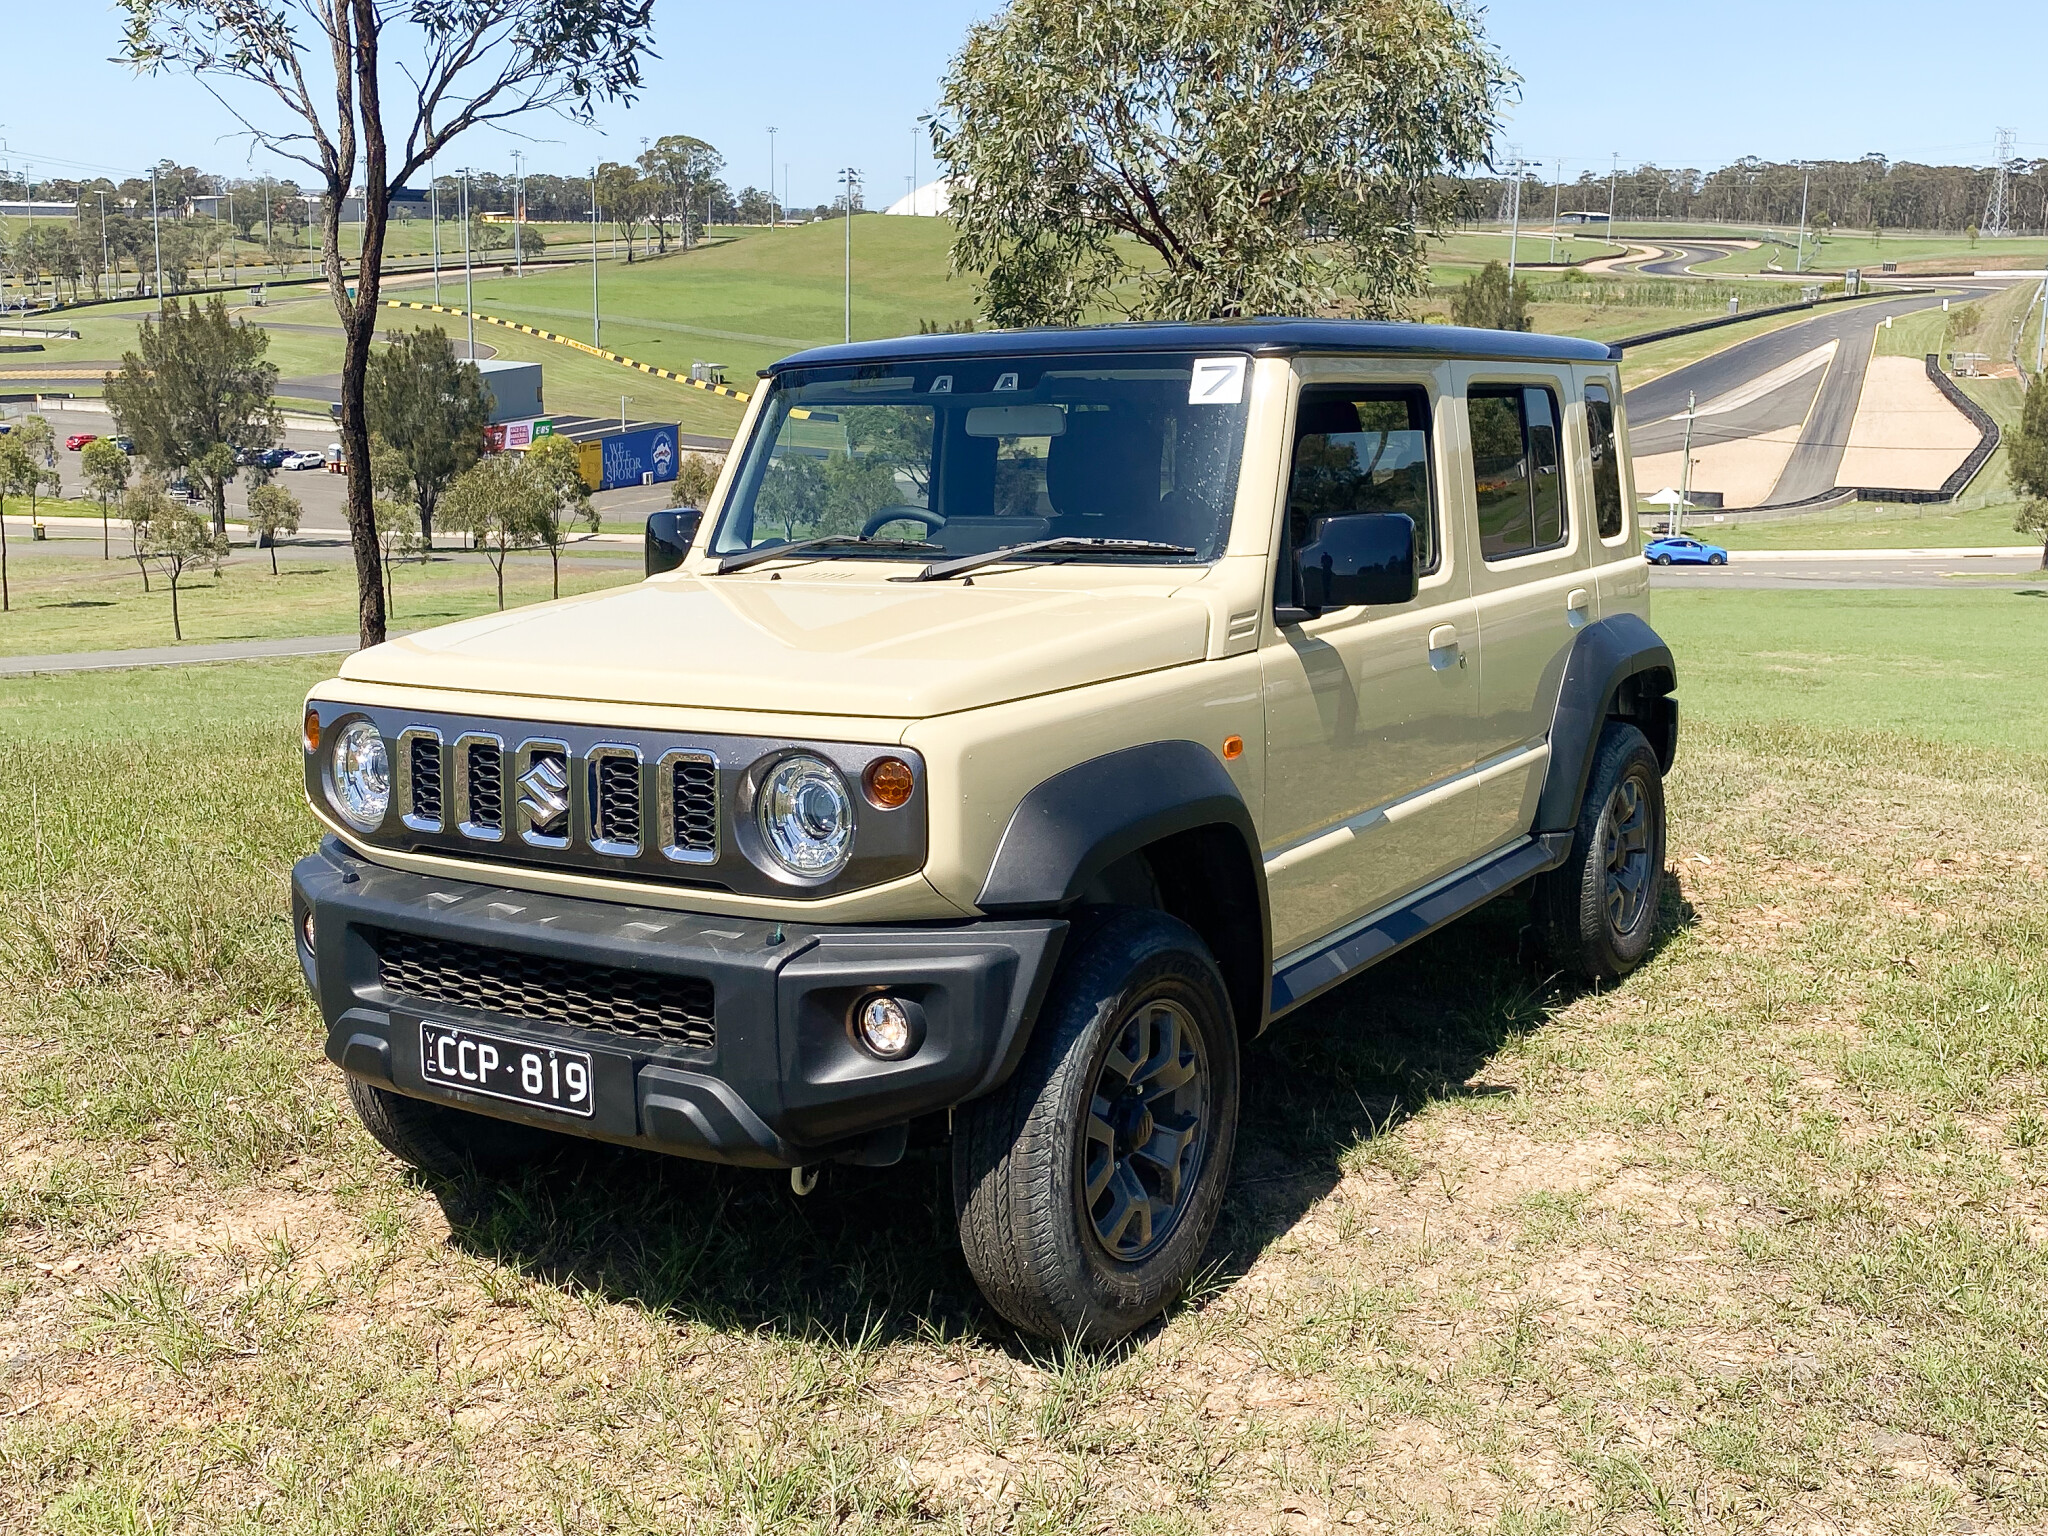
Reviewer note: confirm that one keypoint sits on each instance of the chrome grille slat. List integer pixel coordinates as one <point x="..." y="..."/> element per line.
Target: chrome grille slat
<point x="639" y="1005"/>
<point x="688" y="796"/>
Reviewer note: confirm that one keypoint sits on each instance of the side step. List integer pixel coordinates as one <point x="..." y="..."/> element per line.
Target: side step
<point x="1308" y="974"/>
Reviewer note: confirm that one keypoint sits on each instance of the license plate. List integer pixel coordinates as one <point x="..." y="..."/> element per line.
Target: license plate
<point x="542" y="1075"/>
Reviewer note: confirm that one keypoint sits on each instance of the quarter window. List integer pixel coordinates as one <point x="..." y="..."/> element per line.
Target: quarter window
<point x="1362" y="450"/>
<point x="1515" y="470"/>
<point x="1606" y="461"/>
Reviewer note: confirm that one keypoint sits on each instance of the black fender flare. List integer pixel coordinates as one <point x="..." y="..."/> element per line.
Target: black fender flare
<point x="1611" y="658"/>
<point x="1079" y="822"/>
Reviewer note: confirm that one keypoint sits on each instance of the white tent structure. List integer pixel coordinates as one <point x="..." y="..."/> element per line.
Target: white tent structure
<point x="930" y="201"/>
<point x="1666" y="498"/>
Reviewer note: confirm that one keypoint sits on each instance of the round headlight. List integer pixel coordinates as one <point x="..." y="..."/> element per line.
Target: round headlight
<point x="806" y="817"/>
<point x="362" y="774"/>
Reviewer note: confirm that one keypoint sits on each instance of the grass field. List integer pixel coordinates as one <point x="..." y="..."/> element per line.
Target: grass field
<point x="1753" y="1241"/>
<point x="1878" y="525"/>
<point x="65" y="603"/>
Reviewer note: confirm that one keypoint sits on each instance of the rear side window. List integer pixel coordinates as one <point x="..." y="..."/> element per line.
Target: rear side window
<point x="1606" y="460"/>
<point x="1362" y="450"/>
<point x="1515" y="470"/>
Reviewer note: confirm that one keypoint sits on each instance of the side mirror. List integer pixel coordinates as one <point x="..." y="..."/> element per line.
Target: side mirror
<point x="669" y="536"/>
<point x="1358" y="559"/>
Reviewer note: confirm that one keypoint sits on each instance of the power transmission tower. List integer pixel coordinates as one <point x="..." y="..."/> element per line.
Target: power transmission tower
<point x="1510" y="190"/>
<point x="1997" y="216"/>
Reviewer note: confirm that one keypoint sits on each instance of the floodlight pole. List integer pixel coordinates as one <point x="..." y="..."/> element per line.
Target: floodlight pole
<point x="156" y="236"/>
<point x="1613" y="175"/>
<point x="1514" y="219"/>
<point x="1685" y="469"/>
<point x="468" y="268"/>
<point x="850" y="179"/>
<point x="434" y="213"/>
<point x="1556" y="207"/>
<point x="774" y="202"/>
<point x="103" y="237"/>
<point x="622" y="411"/>
<point x="1799" y="265"/>
<point x="596" y="331"/>
<point x="518" y="208"/>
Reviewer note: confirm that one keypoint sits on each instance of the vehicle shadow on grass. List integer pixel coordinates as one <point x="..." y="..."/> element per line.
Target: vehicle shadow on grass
<point x="871" y="1256"/>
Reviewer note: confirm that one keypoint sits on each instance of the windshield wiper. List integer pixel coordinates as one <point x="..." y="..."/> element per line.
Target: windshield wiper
<point x="761" y="553"/>
<point x="939" y="570"/>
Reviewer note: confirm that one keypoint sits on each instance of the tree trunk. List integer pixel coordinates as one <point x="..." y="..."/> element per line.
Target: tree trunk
<point x="177" y="629"/>
<point x="273" y="555"/>
<point x="499" y="565"/>
<point x="555" y="555"/>
<point x="217" y="493"/>
<point x="359" y="315"/>
<point x="106" y="538"/>
<point x="6" y="597"/>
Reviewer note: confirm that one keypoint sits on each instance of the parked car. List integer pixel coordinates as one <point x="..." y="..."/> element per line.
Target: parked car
<point x="1154" y="707"/>
<point x="1680" y="550"/>
<point x="123" y="442"/>
<point x="78" y="440"/>
<point x="301" y="458"/>
<point x="273" y="458"/>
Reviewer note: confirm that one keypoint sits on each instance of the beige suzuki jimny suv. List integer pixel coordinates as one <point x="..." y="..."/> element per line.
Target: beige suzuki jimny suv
<point x="1029" y="720"/>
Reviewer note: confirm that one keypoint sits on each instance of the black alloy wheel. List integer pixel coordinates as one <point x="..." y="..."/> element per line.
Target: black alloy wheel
<point x="1147" y="1130"/>
<point x="1598" y="910"/>
<point x="1087" y="1184"/>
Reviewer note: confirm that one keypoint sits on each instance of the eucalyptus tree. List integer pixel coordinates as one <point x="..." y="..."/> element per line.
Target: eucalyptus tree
<point x="1271" y="156"/>
<point x="428" y="408"/>
<point x="309" y="81"/>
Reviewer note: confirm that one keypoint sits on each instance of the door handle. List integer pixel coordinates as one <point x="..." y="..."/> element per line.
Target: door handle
<point x="1444" y="638"/>
<point x="1578" y="601"/>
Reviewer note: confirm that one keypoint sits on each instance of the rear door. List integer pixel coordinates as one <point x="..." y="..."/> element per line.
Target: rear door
<point x="1531" y="583"/>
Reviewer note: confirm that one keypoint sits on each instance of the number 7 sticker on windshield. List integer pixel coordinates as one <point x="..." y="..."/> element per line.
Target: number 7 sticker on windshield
<point x="1217" y="381"/>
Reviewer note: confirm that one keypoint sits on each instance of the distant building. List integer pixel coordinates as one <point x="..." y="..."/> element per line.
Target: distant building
<point x="1582" y="218"/>
<point x="37" y="210"/>
<point x="931" y="201"/>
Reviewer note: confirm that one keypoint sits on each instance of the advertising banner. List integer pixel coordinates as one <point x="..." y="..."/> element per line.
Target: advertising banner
<point x="628" y="458"/>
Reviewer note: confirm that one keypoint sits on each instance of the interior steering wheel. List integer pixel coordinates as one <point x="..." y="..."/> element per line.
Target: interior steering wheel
<point x="880" y="520"/>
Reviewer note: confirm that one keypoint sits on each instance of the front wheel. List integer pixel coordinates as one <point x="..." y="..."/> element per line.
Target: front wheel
<point x="1598" y="909"/>
<point x="446" y="1142"/>
<point x="1088" y="1184"/>
<point x="1717" y="559"/>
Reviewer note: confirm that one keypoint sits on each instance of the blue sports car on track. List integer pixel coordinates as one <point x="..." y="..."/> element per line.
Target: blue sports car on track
<point x="1679" y="550"/>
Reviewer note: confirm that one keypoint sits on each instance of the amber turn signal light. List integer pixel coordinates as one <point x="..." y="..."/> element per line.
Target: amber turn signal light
<point x="1233" y="748"/>
<point x="888" y="783"/>
<point x="312" y="729"/>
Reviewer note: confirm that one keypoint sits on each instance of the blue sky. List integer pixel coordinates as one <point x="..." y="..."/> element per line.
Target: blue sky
<point x="1680" y="85"/>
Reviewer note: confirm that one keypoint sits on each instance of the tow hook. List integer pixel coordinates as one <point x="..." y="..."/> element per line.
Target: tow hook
<point x="803" y="1180"/>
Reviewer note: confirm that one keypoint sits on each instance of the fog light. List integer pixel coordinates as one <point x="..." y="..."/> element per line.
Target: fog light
<point x="306" y="930"/>
<point x="888" y="1027"/>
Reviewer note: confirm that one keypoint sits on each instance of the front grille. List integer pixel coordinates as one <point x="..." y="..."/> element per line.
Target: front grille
<point x="641" y="1005"/>
<point x="693" y="794"/>
<point x="616" y="817"/>
<point x="486" y="785"/>
<point x="426" y="779"/>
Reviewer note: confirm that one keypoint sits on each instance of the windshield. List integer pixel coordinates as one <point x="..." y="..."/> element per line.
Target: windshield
<point x="971" y="455"/>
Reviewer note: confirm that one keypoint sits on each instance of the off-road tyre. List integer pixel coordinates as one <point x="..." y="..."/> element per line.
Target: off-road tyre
<point x="445" y="1142"/>
<point x="1022" y="1154"/>
<point x="1598" y="910"/>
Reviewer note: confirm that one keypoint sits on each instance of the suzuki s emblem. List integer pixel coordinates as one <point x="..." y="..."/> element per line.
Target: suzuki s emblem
<point x="545" y="800"/>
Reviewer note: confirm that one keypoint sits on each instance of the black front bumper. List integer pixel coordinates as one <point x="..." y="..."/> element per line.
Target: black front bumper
<point x="780" y="1083"/>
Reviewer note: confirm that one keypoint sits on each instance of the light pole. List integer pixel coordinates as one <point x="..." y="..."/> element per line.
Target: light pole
<point x="468" y="270"/>
<point x="1556" y="207"/>
<point x="518" y="217"/>
<point x="850" y="179"/>
<point x="1613" y="174"/>
<point x="1685" y="468"/>
<point x="434" y="215"/>
<point x="1799" y="265"/>
<point x="103" y="235"/>
<point x="622" y="411"/>
<point x="156" y="236"/>
<point x="773" y="202"/>
<point x="596" y="330"/>
<point x="1514" y="218"/>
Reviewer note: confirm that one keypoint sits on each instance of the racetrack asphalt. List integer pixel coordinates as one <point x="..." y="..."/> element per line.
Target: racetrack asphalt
<point x="1825" y="402"/>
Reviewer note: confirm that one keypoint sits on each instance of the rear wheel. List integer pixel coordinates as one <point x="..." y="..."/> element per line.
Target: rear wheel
<point x="1663" y="559"/>
<point x="446" y="1142"/>
<point x="1598" y="909"/>
<point x="1087" y="1185"/>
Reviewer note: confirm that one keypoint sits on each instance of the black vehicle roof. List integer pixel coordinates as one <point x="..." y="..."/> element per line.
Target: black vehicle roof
<point x="1264" y="338"/>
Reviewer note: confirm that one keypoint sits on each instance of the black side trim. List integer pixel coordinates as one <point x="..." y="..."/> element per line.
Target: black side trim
<point x="1173" y="796"/>
<point x="1608" y="656"/>
<point x="1341" y="959"/>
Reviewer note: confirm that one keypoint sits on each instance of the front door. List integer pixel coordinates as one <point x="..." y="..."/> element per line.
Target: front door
<point x="1371" y="713"/>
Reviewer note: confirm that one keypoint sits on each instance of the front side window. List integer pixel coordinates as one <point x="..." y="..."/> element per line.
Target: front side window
<point x="1606" y="461"/>
<point x="1515" y="470"/>
<point x="1362" y="450"/>
<point x="971" y="455"/>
